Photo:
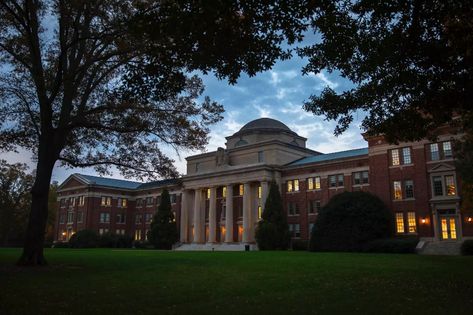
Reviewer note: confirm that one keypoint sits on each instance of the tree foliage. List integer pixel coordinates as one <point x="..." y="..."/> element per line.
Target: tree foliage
<point x="411" y="63"/>
<point x="272" y="231"/>
<point x="163" y="229"/>
<point x="349" y="221"/>
<point x="101" y="83"/>
<point x="15" y="186"/>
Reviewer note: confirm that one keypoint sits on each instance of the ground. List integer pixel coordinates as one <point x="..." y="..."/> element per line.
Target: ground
<point x="106" y="281"/>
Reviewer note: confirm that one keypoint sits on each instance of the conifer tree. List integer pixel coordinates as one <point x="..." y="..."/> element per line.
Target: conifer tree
<point x="163" y="230"/>
<point x="272" y="231"/>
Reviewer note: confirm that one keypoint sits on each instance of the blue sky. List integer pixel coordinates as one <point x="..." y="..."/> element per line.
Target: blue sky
<point x="277" y="94"/>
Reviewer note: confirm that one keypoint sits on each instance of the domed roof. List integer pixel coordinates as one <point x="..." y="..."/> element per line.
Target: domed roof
<point x="264" y="123"/>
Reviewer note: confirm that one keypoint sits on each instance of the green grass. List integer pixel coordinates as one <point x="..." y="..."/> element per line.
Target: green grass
<point x="104" y="281"/>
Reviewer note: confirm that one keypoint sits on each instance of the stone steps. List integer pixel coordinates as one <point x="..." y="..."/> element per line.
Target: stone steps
<point x="441" y="248"/>
<point x="214" y="247"/>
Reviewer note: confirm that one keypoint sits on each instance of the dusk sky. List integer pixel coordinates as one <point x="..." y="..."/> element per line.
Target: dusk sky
<point x="277" y="94"/>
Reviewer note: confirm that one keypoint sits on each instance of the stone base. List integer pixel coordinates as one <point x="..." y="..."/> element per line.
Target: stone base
<point x="215" y="247"/>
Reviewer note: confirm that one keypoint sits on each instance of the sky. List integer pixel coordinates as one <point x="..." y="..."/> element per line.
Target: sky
<point x="278" y="94"/>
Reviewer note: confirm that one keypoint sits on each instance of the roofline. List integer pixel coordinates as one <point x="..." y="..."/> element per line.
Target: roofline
<point x="264" y="130"/>
<point x="355" y="157"/>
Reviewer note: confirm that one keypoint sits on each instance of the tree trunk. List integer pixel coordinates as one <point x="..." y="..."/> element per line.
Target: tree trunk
<point x="35" y="232"/>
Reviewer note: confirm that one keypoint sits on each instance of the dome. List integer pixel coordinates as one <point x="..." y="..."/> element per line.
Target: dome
<point x="264" y="124"/>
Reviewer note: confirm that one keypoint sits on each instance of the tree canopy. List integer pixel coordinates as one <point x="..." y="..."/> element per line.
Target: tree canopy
<point x="411" y="63"/>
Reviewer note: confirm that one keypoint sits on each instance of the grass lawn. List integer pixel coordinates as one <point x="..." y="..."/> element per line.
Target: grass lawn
<point x="105" y="281"/>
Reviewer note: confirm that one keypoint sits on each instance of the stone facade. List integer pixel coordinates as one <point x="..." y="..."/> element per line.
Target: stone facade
<point x="221" y="198"/>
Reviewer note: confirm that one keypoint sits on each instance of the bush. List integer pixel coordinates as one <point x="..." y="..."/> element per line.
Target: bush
<point x="84" y="239"/>
<point x="272" y="231"/>
<point x="143" y="245"/>
<point x="349" y="221"/>
<point x="300" y="245"/>
<point x="392" y="245"/>
<point x="61" y="245"/>
<point x="467" y="247"/>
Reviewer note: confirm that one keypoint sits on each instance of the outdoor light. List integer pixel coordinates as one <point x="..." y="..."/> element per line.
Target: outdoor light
<point x="423" y="221"/>
<point x="470" y="219"/>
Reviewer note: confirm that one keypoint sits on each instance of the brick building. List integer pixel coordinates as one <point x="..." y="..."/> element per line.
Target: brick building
<point x="220" y="199"/>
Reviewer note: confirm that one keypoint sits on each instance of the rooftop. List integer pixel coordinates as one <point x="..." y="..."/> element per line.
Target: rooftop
<point x="330" y="156"/>
<point x="124" y="184"/>
<point x="264" y="124"/>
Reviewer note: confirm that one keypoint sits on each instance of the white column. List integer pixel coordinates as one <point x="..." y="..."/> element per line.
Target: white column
<point x="213" y="215"/>
<point x="229" y="215"/>
<point x="198" y="216"/>
<point x="247" y="228"/>
<point x="264" y="194"/>
<point x="184" y="216"/>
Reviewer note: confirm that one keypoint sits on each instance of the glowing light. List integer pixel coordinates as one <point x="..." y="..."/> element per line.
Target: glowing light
<point x="470" y="219"/>
<point x="424" y="220"/>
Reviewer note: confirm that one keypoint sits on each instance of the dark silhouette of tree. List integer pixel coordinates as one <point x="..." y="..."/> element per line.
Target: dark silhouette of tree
<point x="272" y="231"/>
<point x="163" y="229"/>
<point x="411" y="63"/>
<point x="94" y="83"/>
<point x="15" y="201"/>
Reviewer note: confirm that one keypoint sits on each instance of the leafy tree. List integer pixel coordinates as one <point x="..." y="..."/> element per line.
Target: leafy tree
<point x="15" y="184"/>
<point x="349" y="221"/>
<point x="163" y="229"/>
<point x="272" y="231"/>
<point x="411" y="63"/>
<point x="94" y="83"/>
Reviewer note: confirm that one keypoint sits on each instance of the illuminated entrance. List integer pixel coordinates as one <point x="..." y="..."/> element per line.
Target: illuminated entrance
<point x="448" y="225"/>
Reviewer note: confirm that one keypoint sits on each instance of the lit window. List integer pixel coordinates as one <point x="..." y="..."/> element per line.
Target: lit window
<point x="397" y="190"/>
<point x="310" y="183"/>
<point x="450" y="185"/>
<point x="103" y="231"/>
<point x="447" y="149"/>
<point x="399" y="222"/>
<point x="411" y="221"/>
<point x="224" y="192"/>
<point x="289" y="186"/>
<point x="395" y="157"/>
<point x="106" y="201"/>
<point x="409" y="188"/>
<point x="260" y="212"/>
<point x="208" y="193"/>
<point x="241" y="190"/>
<point x="434" y="152"/>
<point x="260" y="192"/>
<point x="296" y="185"/>
<point x="138" y="235"/>
<point x="437" y="185"/>
<point x="124" y="202"/>
<point x="406" y="155"/>
<point x="317" y="182"/>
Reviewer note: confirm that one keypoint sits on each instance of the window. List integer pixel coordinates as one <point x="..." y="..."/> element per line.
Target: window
<point x="296" y="185"/>
<point x="434" y="152"/>
<point x="137" y="235"/>
<point x="149" y="201"/>
<point x="310" y="183"/>
<point x="70" y="217"/>
<point x="121" y="218"/>
<point x="122" y="202"/>
<point x="411" y="222"/>
<point x="447" y="149"/>
<point x="207" y="193"/>
<point x="260" y="192"/>
<point x="103" y="231"/>
<point x="360" y="178"/>
<point x="311" y="227"/>
<point x="146" y="234"/>
<point x="173" y="198"/>
<point x="80" y="217"/>
<point x="450" y="185"/>
<point x="289" y="185"/>
<point x="241" y="189"/>
<point x="81" y="200"/>
<point x="148" y="218"/>
<point x="314" y="206"/>
<point x="399" y="222"/>
<point x="224" y="192"/>
<point x="365" y="177"/>
<point x="295" y="230"/>
<point x="260" y="212"/>
<point x="62" y="218"/>
<point x="332" y="181"/>
<point x="72" y="201"/>
<point x="340" y="180"/>
<point x="397" y="190"/>
<point x="406" y="155"/>
<point x="120" y="232"/>
<point x="292" y="208"/>
<point x="313" y="183"/>
<point x="437" y="185"/>
<point x="138" y="218"/>
<point x="62" y="202"/>
<point x="357" y="178"/>
<point x="106" y="201"/>
<point x="409" y="188"/>
<point x="222" y="214"/>
<point x="292" y="185"/>
<point x="104" y="217"/>
<point x="139" y="202"/>
<point x="260" y="157"/>
<point x="395" y="157"/>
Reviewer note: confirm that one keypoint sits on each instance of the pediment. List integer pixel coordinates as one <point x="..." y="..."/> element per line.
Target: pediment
<point x="443" y="167"/>
<point x="72" y="182"/>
